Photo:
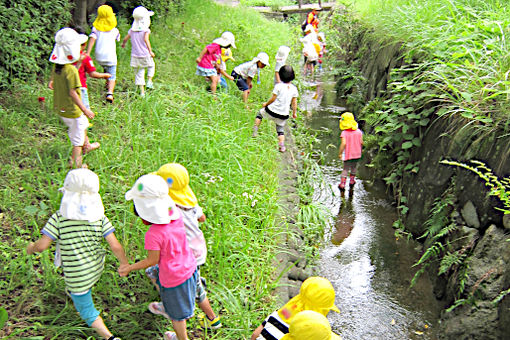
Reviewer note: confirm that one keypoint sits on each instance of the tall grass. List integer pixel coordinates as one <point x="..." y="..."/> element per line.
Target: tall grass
<point x="177" y="122"/>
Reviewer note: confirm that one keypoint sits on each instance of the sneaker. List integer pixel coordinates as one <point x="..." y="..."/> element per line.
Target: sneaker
<point x="169" y="335"/>
<point x="89" y="147"/>
<point x="109" y="98"/>
<point x="352" y="180"/>
<point x="209" y="324"/>
<point x="149" y="85"/>
<point x="282" y="147"/>
<point x="159" y="309"/>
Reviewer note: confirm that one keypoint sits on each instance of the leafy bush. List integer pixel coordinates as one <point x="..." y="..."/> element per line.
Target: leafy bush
<point x="27" y="30"/>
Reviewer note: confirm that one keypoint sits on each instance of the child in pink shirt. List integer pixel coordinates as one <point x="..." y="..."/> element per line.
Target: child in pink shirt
<point x="350" y="148"/>
<point x="166" y="245"/>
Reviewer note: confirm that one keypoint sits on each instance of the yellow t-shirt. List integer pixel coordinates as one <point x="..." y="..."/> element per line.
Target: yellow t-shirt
<point x="66" y="80"/>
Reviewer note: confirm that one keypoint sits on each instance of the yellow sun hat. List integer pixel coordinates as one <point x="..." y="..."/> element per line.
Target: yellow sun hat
<point x="177" y="178"/>
<point x="106" y="20"/>
<point x="316" y="293"/>
<point x="226" y="54"/>
<point x="347" y="121"/>
<point x="310" y="325"/>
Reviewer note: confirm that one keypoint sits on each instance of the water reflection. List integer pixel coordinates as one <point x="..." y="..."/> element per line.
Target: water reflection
<point x="345" y="217"/>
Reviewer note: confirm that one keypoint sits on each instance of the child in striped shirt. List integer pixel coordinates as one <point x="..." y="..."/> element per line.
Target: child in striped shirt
<point x="79" y="227"/>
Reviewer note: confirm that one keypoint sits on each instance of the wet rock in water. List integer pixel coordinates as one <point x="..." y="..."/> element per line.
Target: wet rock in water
<point x="470" y="215"/>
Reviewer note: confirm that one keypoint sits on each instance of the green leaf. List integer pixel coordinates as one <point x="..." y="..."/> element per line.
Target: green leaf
<point x="3" y="317"/>
<point x="407" y="145"/>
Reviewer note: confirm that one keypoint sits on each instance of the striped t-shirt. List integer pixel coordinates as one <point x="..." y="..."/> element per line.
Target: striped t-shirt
<point x="80" y="247"/>
<point x="274" y="328"/>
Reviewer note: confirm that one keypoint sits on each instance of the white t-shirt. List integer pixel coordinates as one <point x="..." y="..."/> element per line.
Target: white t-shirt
<point x="194" y="235"/>
<point x="106" y="48"/>
<point x="247" y="69"/>
<point x="284" y="93"/>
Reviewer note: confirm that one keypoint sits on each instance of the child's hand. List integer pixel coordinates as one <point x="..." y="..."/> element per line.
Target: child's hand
<point x="30" y="248"/>
<point x="197" y="60"/>
<point x="152" y="54"/>
<point x="201" y="219"/>
<point x="106" y="75"/>
<point x="88" y="113"/>
<point x="50" y="84"/>
<point x="124" y="270"/>
<point x="294" y="115"/>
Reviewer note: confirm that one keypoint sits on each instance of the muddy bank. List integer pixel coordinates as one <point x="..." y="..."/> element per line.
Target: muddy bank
<point x="479" y="231"/>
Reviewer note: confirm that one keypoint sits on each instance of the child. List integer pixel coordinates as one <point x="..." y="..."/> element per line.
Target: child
<point x="316" y="294"/>
<point x="177" y="178"/>
<point x="66" y="95"/>
<point x="206" y="61"/>
<point x="322" y="48"/>
<point x="105" y="33"/>
<point x="310" y="47"/>
<point x="277" y="108"/>
<point x="243" y="74"/>
<point x="167" y="247"/>
<point x="310" y="325"/>
<point x="226" y="54"/>
<point x="350" y="148"/>
<point x="141" y="51"/>
<point x="78" y="227"/>
<point x="281" y="59"/>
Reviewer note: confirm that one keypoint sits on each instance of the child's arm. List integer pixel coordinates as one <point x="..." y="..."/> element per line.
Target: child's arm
<point x="293" y="104"/>
<point x="277" y="77"/>
<point x="77" y="100"/>
<point x="116" y="248"/>
<point x="270" y="101"/>
<point x="226" y="75"/>
<point x="148" y="43"/>
<point x="125" y="40"/>
<point x="342" y="148"/>
<point x="92" y="41"/>
<point x="95" y="74"/>
<point x="151" y="260"/>
<point x="204" y="51"/>
<point x="40" y="245"/>
<point x="50" y="84"/>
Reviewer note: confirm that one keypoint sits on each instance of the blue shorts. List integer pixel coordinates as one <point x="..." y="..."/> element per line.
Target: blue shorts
<point x="85" y="306"/>
<point x="112" y="69"/>
<point x="206" y="72"/>
<point x="85" y="97"/>
<point x="223" y="83"/>
<point x="240" y="82"/>
<point x="179" y="302"/>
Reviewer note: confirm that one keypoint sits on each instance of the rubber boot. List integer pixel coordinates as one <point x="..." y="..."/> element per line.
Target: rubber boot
<point x="341" y="186"/>
<point x="352" y="180"/>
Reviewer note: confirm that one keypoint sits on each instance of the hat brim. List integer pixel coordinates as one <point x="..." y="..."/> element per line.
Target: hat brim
<point x="82" y="38"/>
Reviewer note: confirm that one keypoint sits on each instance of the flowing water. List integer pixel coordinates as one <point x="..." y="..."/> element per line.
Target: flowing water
<point x="368" y="266"/>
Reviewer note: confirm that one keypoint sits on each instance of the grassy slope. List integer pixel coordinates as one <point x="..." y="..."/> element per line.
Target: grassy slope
<point x="179" y="122"/>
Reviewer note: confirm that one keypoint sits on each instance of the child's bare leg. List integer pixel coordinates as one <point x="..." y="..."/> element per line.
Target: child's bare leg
<point x="76" y="156"/>
<point x="257" y="332"/>
<point x="111" y="86"/>
<point x="101" y="328"/>
<point x="205" y="306"/>
<point x="180" y="329"/>
<point x="245" y="95"/>
<point x="281" y="139"/>
<point x="214" y="83"/>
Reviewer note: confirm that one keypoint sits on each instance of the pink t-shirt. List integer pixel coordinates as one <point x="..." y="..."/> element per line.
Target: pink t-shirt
<point x="352" y="144"/>
<point x="209" y="59"/>
<point x="176" y="261"/>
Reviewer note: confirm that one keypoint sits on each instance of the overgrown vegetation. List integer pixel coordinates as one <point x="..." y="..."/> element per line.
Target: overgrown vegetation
<point x="178" y="121"/>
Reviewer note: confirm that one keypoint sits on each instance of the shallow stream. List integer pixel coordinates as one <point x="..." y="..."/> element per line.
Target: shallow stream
<point x="369" y="267"/>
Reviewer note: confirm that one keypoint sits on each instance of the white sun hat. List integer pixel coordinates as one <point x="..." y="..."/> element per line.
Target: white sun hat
<point x="142" y="18"/>
<point x="282" y="54"/>
<point x="226" y="39"/>
<point x="67" y="47"/>
<point x="152" y="203"/>
<point x="263" y="58"/>
<point x="81" y="200"/>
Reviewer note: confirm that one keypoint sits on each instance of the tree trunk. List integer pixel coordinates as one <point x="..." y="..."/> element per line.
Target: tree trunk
<point x="80" y="14"/>
<point x="300" y="3"/>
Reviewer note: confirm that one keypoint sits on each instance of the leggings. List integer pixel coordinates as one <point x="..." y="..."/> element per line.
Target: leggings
<point x="140" y="74"/>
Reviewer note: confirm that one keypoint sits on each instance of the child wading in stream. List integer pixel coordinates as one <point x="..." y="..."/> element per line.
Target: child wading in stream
<point x="350" y="148"/>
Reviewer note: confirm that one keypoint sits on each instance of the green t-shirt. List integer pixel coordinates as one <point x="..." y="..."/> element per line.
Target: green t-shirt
<point x="80" y="248"/>
<point x="62" y="102"/>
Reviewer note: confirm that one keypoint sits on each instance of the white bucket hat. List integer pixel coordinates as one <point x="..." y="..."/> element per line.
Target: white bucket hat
<point x="67" y="47"/>
<point x="263" y="58"/>
<point x="309" y="28"/>
<point x="227" y="38"/>
<point x="81" y="200"/>
<point x="150" y="196"/>
<point x="282" y="54"/>
<point x="82" y="38"/>
<point x="142" y="18"/>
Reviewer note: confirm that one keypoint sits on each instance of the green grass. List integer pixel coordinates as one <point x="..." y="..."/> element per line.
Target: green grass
<point x="177" y="122"/>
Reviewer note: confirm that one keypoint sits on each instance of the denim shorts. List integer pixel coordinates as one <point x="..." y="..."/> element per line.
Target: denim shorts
<point x="179" y="302"/>
<point x="85" y="97"/>
<point x="240" y="82"/>
<point x="112" y="69"/>
<point x="85" y="306"/>
<point x="153" y="274"/>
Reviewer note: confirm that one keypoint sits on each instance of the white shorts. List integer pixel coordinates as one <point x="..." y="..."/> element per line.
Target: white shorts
<point x="77" y="128"/>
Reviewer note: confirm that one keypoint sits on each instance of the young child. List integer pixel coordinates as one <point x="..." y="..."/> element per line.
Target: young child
<point x="207" y="60"/>
<point x="78" y="227"/>
<point x="277" y="107"/>
<point x="316" y="294"/>
<point x="321" y="37"/>
<point x="106" y="34"/>
<point x="310" y="47"/>
<point x="350" y="148"/>
<point x="243" y="74"/>
<point x="310" y="325"/>
<point x="226" y="54"/>
<point x="67" y="96"/>
<point x="166" y="245"/>
<point x="281" y="59"/>
<point x="177" y="178"/>
<point x="141" y="51"/>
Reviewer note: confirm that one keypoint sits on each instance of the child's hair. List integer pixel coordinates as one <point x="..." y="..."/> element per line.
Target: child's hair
<point x="134" y="210"/>
<point x="286" y="73"/>
<point x="58" y="68"/>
